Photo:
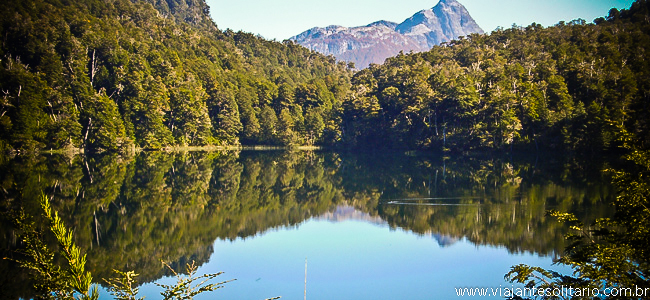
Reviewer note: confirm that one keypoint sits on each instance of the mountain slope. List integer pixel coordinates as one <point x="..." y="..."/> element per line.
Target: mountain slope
<point x="112" y="75"/>
<point x="362" y="45"/>
<point x="377" y="41"/>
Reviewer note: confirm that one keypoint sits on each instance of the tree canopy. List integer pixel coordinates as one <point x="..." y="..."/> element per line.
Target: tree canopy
<point x="572" y="86"/>
<point x="109" y="75"/>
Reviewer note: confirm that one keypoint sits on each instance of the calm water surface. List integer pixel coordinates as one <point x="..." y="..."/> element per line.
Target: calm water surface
<point x="371" y="226"/>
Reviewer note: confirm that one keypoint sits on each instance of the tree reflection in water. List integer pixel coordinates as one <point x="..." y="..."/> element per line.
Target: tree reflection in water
<point x="131" y="212"/>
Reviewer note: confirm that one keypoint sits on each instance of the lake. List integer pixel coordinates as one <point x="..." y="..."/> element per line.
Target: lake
<point x="394" y="225"/>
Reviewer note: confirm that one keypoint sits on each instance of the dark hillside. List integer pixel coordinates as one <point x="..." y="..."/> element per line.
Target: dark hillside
<point x="105" y="75"/>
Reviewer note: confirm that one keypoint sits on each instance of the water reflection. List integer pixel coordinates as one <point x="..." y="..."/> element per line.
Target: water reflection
<point x="131" y="212"/>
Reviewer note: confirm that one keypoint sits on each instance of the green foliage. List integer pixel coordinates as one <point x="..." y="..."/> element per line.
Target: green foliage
<point x="108" y="75"/>
<point x="268" y="124"/>
<point x="543" y="280"/>
<point x="226" y="119"/>
<point x="558" y="87"/>
<point x="186" y="288"/>
<point x="286" y="134"/>
<point x="79" y="278"/>
<point x="105" y="76"/>
<point x="122" y="287"/>
<point x="52" y="281"/>
<point x="104" y="130"/>
<point x="609" y="252"/>
<point x="314" y="126"/>
<point x="49" y="279"/>
<point x="74" y="282"/>
<point x="22" y="119"/>
<point x="189" y="120"/>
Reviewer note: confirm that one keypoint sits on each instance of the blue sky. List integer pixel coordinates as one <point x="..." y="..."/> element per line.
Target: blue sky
<point x="281" y="19"/>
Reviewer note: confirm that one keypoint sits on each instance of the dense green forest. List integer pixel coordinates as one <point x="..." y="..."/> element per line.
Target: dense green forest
<point x="111" y="75"/>
<point x="116" y="75"/>
<point x="573" y="86"/>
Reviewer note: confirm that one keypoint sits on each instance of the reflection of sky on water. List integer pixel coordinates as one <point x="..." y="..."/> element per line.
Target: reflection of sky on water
<point x="355" y="257"/>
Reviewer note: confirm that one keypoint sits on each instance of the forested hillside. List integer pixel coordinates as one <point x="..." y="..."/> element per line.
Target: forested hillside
<point x="109" y="75"/>
<point x="105" y="75"/>
<point x="572" y="86"/>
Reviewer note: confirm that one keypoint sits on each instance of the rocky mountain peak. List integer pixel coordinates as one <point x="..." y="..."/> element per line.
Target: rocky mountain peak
<point x="385" y="23"/>
<point x="379" y="40"/>
<point x="444" y="22"/>
<point x="449" y="2"/>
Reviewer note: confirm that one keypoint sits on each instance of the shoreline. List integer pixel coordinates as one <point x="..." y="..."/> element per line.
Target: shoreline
<point x="210" y="148"/>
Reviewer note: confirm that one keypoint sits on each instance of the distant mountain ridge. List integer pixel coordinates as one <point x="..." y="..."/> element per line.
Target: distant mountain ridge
<point x="375" y="42"/>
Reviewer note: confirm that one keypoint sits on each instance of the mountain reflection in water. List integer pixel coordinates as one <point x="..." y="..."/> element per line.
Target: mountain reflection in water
<point x="347" y="213"/>
<point x="131" y="212"/>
